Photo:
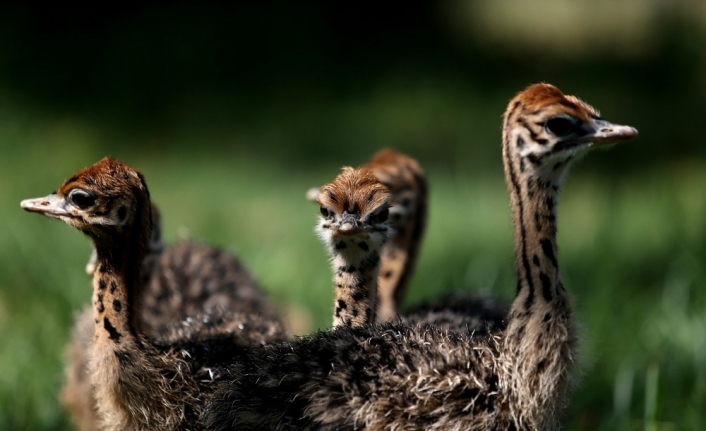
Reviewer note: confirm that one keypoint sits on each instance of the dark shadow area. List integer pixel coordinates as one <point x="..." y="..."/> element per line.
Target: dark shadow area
<point x="296" y="80"/>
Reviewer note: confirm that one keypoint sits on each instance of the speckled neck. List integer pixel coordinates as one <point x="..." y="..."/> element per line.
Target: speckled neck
<point x="355" y="264"/>
<point x="539" y="343"/>
<point x="117" y="277"/>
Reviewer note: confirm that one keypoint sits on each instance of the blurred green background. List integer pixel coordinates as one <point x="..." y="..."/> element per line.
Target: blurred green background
<point x="233" y="111"/>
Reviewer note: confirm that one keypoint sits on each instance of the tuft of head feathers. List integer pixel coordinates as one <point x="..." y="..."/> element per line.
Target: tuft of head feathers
<point x="355" y="191"/>
<point x="544" y="130"/>
<point x="106" y="196"/>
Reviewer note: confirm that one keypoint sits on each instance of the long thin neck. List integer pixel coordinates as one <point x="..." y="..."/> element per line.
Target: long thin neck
<point x="113" y="302"/>
<point x="533" y="202"/>
<point x="399" y="256"/>
<point x="540" y="341"/>
<point x="123" y="372"/>
<point x="116" y="283"/>
<point x="355" y="267"/>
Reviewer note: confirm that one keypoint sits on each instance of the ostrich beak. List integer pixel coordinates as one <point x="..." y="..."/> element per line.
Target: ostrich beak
<point x="51" y="206"/>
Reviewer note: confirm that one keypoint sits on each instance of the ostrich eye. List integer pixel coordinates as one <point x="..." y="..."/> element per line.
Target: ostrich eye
<point x="380" y="216"/>
<point x="561" y="125"/>
<point x="325" y="213"/>
<point x="81" y="198"/>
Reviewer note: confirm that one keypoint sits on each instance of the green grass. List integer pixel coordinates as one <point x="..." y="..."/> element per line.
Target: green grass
<point x="632" y="248"/>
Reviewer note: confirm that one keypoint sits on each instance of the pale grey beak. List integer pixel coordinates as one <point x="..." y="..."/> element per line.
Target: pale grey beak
<point x="349" y="225"/>
<point x="50" y="206"/>
<point x="609" y="133"/>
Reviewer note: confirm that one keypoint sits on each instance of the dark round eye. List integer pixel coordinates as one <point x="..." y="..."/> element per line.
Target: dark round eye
<point x="381" y="216"/>
<point x="81" y="198"/>
<point x="561" y="125"/>
<point x="325" y="213"/>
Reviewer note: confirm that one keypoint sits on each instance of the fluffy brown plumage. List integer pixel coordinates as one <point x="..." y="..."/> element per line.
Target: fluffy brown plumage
<point x="474" y="313"/>
<point x="353" y="224"/>
<point x="182" y="280"/>
<point x="398" y="376"/>
<point x="406" y="183"/>
<point x="150" y="381"/>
